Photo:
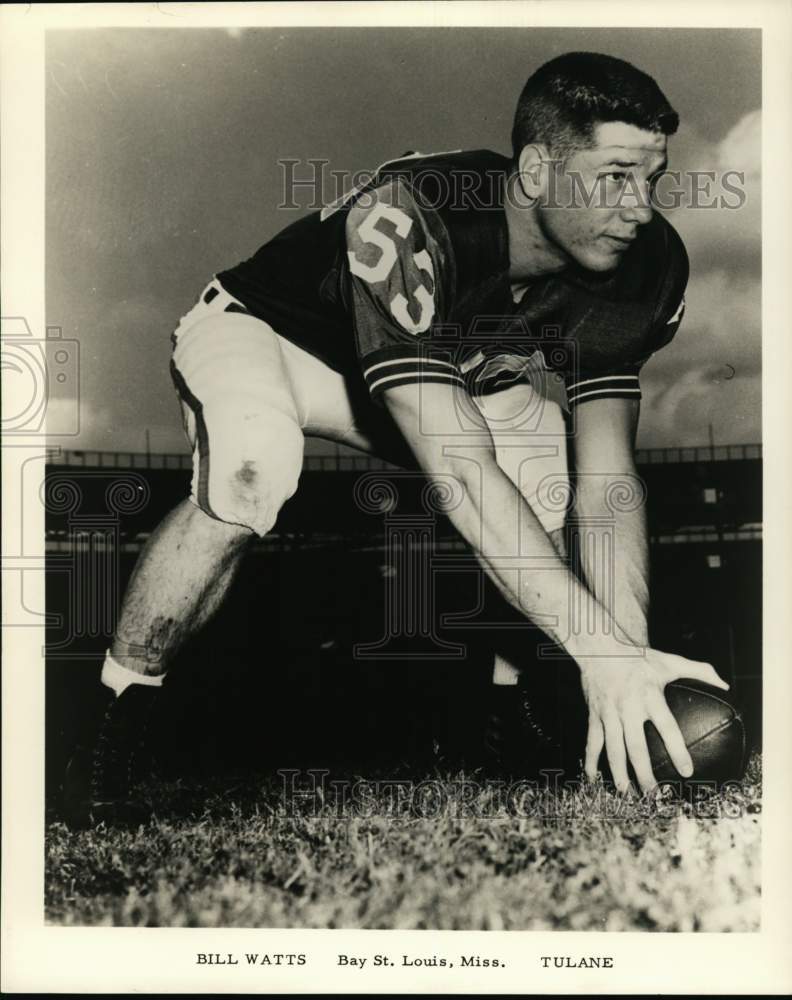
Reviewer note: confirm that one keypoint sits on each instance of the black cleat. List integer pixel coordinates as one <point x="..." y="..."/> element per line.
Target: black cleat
<point x="99" y="785"/>
<point x="516" y="744"/>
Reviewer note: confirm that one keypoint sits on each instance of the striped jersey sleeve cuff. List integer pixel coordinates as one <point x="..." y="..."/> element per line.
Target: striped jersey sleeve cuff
<point x="603" y="387"/>
<point x="390" y="368"/>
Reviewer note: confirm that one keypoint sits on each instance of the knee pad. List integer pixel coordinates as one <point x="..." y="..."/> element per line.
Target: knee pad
<point x="251" y="468"/>
<point x="242" y="420"/>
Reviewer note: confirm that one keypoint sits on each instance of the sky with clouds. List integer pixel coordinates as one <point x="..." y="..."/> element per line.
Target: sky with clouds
<point x="162" y="168"/>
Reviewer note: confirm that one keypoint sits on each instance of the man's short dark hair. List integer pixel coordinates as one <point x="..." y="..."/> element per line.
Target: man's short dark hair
<point x="566" y="98"/>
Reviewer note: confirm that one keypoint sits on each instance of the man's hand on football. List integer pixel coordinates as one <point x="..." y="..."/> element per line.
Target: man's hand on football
<point x="622" y="694"/>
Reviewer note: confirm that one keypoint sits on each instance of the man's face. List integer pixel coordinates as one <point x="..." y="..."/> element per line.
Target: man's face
<point x="602" y="195"/>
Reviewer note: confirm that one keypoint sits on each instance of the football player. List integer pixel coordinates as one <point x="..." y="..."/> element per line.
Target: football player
<point x="429" y="317"/>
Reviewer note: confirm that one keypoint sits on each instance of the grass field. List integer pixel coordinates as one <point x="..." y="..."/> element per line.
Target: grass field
<point x="446" y="854"/>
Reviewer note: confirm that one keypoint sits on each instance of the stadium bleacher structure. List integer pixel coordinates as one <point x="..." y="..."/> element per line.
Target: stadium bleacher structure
<point x="324" y="576"/>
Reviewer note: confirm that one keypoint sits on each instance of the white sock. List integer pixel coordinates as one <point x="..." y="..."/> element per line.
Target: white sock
<point x="119" y="678"/>
<point x="503" y="673"/>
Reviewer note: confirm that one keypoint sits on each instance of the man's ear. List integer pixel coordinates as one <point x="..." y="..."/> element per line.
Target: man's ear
<point x="532" y="171"/>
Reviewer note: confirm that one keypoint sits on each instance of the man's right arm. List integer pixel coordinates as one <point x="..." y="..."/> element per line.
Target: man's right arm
<point x="623" y="690"/>
<point x="493" y="517"/>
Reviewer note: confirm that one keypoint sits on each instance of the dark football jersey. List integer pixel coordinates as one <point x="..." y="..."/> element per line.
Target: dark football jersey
<point x="406" y="280"/>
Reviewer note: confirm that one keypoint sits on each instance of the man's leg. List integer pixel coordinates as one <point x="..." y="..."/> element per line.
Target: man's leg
<point x="505" y="673"/>
<point x="237" y="399"/>
<point x="179" y="581"/>
<point x="529" y="434"/>
<point x="530" y="441"/>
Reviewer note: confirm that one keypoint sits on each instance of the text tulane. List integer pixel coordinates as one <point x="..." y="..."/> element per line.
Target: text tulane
<point x="583" y="962"/>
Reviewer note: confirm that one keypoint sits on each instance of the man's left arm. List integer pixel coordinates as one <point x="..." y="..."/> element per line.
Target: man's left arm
<point x="609" y="513"/>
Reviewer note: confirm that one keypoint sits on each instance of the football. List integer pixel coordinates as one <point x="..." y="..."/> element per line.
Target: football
<point x="713" y="731"/>
<point x="711" y="727"/>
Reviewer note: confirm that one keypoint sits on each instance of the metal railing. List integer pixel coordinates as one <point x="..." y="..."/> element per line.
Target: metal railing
<point x="358" y="462"/>
<point x="59" y="541"/>
<point x="118" y="459"/>
<point x="701" y="453"/>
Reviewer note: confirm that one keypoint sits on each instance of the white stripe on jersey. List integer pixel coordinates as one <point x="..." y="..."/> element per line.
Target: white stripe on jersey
<point x="410" y="360"/>
<point x="604" y="378"/>
<point x="603" y="392"/>
<point x="411" y="375"/>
